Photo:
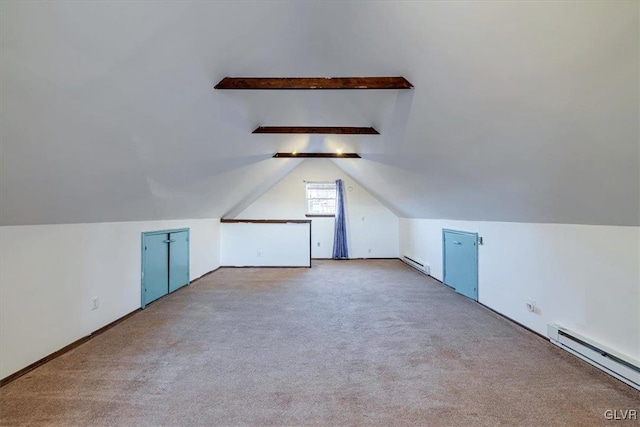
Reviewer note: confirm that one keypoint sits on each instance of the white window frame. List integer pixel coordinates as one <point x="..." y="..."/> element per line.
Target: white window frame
<point x="307" y="198"/>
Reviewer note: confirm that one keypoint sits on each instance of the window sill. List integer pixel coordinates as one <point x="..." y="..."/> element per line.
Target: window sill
<point x="320" y="215"/>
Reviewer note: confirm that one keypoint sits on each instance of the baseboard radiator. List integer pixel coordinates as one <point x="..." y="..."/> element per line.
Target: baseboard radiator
<point x="418" y="265"/>
<point x="610" y="361"/>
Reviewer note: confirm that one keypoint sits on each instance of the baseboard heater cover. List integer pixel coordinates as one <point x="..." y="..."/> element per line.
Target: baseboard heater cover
<point x="610" y="361"/>
<point x="420" y="266"/>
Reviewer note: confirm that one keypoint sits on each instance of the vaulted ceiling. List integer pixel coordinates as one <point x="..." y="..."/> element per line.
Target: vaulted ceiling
<point x="521" y="111"/>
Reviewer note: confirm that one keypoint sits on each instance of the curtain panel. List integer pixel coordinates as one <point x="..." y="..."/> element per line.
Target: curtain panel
<point x="340" y="249"/>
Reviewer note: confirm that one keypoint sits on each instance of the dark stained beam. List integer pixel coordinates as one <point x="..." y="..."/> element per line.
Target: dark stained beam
<point x="319" y="155"/>
<point x="342" y="130"/>
<point x="267" y="221"/>
<point x="261" y="83"/>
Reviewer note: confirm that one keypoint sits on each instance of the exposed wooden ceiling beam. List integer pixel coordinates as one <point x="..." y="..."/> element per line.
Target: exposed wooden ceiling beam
<point x="342" y="130"/>
<point x="314" y="83"/>
<point x="266" y="221"/>
<point x="319" y="155"/>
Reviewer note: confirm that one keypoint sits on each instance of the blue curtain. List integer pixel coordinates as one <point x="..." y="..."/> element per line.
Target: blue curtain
<point x="340" y="250"/>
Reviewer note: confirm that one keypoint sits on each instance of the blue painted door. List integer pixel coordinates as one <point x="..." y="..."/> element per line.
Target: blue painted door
<point x="178" y="260"/>
<point x="155" y="267"/>
<point x="460" y="259"/>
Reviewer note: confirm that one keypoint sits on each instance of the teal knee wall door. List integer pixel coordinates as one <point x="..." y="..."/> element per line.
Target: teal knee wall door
<point x="165" y="263"/>
<point x="460" y="261"/>
<point x="178" y="260"/>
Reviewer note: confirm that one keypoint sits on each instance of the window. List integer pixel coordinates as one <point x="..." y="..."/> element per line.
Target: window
<point x="321" y="198"/>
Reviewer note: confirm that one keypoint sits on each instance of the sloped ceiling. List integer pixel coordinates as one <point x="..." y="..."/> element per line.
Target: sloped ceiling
<point x="521" y="111"/>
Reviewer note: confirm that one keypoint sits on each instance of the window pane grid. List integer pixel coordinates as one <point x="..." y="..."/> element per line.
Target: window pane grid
<point x="321" y="198"/>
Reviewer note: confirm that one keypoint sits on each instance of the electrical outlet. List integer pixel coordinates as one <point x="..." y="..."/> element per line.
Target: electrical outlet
<point x="95" y="303"/>
<point x="318" y="244"/>
<point x="259" y="254"/>
<point x="369" y="250"/>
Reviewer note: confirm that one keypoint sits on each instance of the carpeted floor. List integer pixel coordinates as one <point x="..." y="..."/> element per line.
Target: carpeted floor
<point x="371" y="343"/>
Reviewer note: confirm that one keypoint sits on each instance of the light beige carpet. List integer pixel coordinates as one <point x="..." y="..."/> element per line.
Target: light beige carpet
<point x="371" y="343"/>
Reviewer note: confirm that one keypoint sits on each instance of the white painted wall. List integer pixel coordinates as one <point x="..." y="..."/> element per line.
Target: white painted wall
<point x="583" y="277"/>
<point x="49" y="273"/>
<point x="372" y="229"/>
<point x="264" y="245"/>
